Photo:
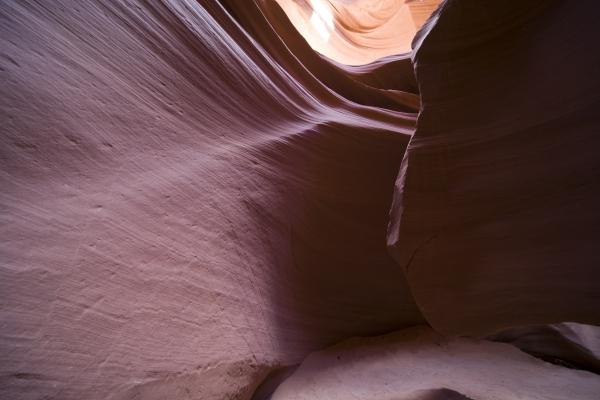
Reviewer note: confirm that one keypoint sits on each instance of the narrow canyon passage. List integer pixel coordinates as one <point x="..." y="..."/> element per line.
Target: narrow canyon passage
<point x="196" y="193"/>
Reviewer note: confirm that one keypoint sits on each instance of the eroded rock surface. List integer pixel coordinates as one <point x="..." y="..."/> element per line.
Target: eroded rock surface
<point x="177" y="195"/>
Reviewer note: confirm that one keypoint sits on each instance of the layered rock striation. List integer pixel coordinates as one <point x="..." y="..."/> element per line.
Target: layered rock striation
<point x="184" y="198"/>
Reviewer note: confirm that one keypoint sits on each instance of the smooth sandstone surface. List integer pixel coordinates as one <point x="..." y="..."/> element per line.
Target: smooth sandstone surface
<point x="419" y="364"/>
<point x="182" y="207"/>
<point x="495" y="217"/>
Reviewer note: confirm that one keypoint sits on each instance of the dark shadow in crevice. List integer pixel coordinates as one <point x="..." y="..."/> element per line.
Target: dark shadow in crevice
<point x="566" y="344"/>
<point x="268" y="386"/>
<point x="439" y="394"/>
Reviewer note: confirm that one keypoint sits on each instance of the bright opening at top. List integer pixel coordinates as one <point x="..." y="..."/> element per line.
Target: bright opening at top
<point x="322" y="18"/>
<point x="357" y="32"/>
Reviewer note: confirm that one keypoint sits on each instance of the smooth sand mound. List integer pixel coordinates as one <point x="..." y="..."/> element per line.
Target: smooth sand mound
<point x="418" y="364"/>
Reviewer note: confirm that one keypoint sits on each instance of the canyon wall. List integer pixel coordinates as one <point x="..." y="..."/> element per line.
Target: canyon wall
<point x="192" y="196"/>
<point x="184" y="207"/>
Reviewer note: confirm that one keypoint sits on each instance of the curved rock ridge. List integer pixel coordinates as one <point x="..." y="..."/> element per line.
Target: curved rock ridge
<point x="357" y="32"/>
<point x="369" y="85"/>
<point x="495" y="217"/>
<point x="182" y="194"/>
<point x="419" y="364"/>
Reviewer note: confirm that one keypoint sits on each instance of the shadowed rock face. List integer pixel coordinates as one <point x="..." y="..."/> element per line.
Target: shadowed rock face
<point x="495" y="218"/>
<point x="192" y="196"/>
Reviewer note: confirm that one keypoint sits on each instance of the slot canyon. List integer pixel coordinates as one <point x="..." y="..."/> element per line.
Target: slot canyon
<point x="299" y="199"/>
